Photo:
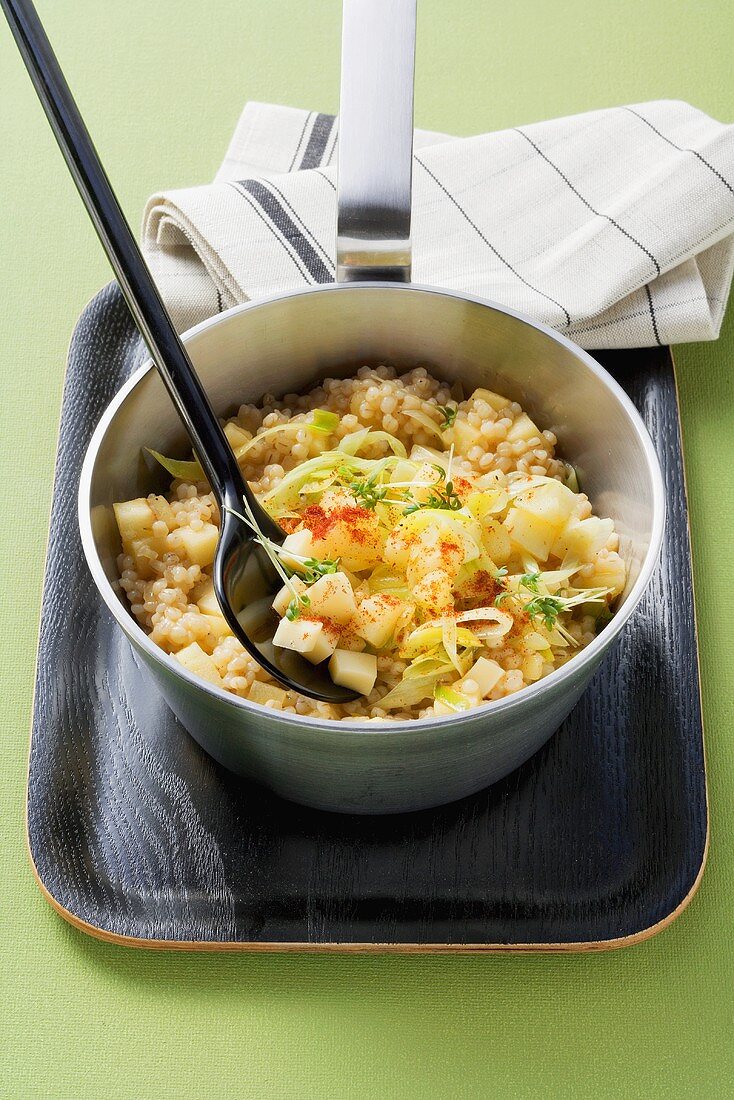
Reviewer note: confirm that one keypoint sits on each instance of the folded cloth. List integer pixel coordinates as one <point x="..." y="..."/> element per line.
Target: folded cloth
<point x="615" y="227"/>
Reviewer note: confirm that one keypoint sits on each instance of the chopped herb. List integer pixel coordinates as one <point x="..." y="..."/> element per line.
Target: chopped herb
<point x="293" y="609"/>
<point x="547" y="608"/>
<point x="449" y="416"/>
<point x="367" y="493"/>
<point x="530" y="581"/>
<point x="444" y="498"/>
<point x="313" y="569"/>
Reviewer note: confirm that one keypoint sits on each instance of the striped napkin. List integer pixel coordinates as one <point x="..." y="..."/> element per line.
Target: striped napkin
<point x="615" y="227"/>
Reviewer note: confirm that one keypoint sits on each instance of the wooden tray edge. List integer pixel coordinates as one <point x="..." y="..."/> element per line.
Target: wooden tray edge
<point x="271" y="947"/>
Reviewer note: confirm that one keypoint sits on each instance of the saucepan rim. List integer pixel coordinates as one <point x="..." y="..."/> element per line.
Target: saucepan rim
<point x="367" y="727"/>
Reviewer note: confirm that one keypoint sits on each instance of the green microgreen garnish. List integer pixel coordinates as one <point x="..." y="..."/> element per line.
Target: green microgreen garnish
<point x="547" y="608"/>
<point x="449" y="416"/>
<point x="530" y="581"/>
<point x="442" y="496"/>
<point x="312" y="569"/>
<point x="367" y="493"/>
<point x="293" y="609"/>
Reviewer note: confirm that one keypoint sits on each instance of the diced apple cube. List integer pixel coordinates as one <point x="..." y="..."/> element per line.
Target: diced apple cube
<point x="496" y="539"/>
<point x="532" y="667"/>
<point x="206" y="599"/>
<point x="583" y="538"/>
<point x="355" y="540"/>
<point x="332" y="597"/>
<point x="376" y="618"/>
<point x="465" y="436"/>
<point x="266" y="693"/>
<point x="199" y="546"/>
<point x="307" y="637"/>
<point x="552" y="500"/>
<point x="300" y="543"/>
<point x="397" y="547"/>
<point x="357" y="671"/>
<point x="200" y="663"/>
<point x="531" y="532"/>
<point x="523" y="428"/>
<point x="486" y="675"/>
<point x="284" y="597"/>
<point x="218" y="627"/>
<point x="494" y="400"/>
<point x="135" y="518"/>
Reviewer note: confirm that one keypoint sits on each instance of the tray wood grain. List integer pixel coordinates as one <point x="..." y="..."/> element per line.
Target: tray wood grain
<point x="137" y="837"/>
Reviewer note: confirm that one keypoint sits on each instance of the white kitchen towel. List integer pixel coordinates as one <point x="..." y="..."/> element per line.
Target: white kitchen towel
<point x="615" y="227"/>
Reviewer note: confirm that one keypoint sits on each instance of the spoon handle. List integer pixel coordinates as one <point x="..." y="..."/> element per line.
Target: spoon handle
<point x="142" y="296"/>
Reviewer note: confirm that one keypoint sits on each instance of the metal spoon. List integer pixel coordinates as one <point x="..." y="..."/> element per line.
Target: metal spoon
<point x="244" y="576"/>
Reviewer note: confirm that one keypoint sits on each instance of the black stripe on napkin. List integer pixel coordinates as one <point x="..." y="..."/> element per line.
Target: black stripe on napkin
<point x="286" y="230"/>
<point x="266" y="221"/>
<point x="587" y="204"/>
<point x="682" y="148"/>
<point x="308" y="118"/>
<point x="652" y="316"/>
<point x="326" y="179"/>
<point x="491" y="247"/>
<point x="317" y="142"/>
<point x="308" y="233"/>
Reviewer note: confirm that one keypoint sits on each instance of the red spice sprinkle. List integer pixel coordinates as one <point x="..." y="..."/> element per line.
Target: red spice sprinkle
<point x="448" y="549"/>
<point x="482" y="586"/>
<point x="289" y="524"/>
<point x="462" y="487"/>
<point x="331" y="628"/>
<point x="359" y="521"/>
<point x="386" y="599"/>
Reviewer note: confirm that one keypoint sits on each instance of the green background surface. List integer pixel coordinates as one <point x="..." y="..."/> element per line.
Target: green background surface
<point x="162" y="83"/>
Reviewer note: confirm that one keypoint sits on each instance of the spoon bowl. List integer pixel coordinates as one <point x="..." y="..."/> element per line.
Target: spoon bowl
<point x="245" y="581"/>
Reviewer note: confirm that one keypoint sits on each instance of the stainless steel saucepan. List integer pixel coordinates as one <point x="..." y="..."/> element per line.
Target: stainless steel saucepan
<point x="373" y="314"/>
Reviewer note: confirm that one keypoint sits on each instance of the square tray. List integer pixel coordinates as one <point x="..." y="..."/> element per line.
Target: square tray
<point x="138" y="837"/>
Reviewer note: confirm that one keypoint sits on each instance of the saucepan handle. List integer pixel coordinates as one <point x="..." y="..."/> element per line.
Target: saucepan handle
<point x="376" y="140"/>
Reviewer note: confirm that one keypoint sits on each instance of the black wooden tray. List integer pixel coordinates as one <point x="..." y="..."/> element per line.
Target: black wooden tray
<point x="137" y="836"/>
